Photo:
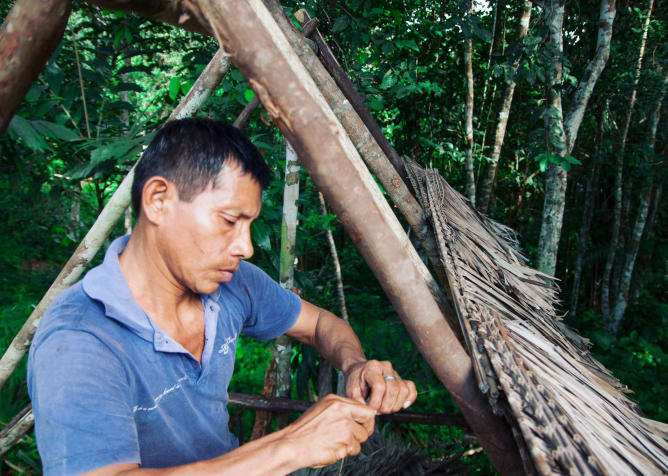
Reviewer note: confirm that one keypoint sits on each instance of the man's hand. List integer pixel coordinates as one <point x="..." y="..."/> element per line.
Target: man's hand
<point x="330" y="430"/>
<point x="377" y="381"/>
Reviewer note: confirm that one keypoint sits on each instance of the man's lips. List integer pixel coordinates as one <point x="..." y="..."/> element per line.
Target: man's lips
<point x="227" y="273"/>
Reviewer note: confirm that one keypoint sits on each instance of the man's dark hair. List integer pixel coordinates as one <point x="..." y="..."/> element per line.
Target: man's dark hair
<point x="191" y="152"/>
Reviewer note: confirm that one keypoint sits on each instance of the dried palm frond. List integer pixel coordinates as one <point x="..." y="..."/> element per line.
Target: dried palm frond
<point x="568" y="411"/>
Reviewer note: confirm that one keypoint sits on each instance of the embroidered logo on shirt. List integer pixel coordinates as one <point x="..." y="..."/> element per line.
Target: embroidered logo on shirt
<point x="157" y="399"/>
<point x="225" y="348"/>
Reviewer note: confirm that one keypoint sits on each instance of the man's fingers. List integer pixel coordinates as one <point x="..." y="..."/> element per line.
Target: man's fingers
<point x="412" y="394"/>
<point x="377" y="384"/>
<point x="391" y="396"/>
<point x="354" y="391"/>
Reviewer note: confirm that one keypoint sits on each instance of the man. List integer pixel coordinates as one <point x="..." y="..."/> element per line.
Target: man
<point x="129" y="368"/>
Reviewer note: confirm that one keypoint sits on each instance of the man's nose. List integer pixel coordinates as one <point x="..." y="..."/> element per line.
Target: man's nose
<point x="243" y="245"/>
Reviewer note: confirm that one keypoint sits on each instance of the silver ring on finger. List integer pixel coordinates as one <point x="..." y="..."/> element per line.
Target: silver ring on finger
<point x="389" y="377"/>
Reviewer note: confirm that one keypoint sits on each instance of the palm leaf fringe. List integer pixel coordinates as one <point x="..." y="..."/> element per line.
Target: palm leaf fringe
<point x="568" y="412"/>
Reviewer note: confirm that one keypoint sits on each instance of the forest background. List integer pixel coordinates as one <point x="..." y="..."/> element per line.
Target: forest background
<point x="442" y="78"/>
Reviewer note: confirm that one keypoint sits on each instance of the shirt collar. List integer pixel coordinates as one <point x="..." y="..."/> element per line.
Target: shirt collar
<point x="105" y="283"/>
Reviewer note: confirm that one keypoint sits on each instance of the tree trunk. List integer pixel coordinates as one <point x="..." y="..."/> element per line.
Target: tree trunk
<point x="325" y="369"/>
<point x="636" y="236"/>
<point x="283" y="347"/>
<point x="468" y="65"/>
<point x="562" y="134"/>
<point x="100" y="230"/>
<point x="555" y="182"/>
<point x="262" y="424"/>
<point x="619" y="167"/>
<point x="590" y="191"/>
<point x="29" y="35"/>
<point x="291" y="98"/>
<point x="487" y="184"/>
<point x="497" y="46"/>
<point x="639" y="274"/>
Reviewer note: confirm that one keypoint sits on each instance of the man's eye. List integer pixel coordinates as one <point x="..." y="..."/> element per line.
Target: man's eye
<point x="229" y="221"/>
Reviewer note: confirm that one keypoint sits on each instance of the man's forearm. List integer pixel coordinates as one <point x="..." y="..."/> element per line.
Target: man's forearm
<point x="337" y="342"/>
<point x="272" y="454"/>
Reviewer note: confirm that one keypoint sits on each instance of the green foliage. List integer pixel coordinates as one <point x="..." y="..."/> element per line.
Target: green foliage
<point x="59" y="164"/>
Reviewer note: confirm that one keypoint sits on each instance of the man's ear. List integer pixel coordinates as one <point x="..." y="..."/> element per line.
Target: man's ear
<point x="157" y="195"/>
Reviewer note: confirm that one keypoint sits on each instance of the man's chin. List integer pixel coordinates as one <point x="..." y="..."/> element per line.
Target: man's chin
<point x="225" y="276"/>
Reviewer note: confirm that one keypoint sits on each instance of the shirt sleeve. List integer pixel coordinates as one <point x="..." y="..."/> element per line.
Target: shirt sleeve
<point x="80" y="396"/>
<point x="273" y="310"/>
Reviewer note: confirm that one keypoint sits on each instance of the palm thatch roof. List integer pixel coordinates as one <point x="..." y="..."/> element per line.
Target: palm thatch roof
<point x="569" y="414"/>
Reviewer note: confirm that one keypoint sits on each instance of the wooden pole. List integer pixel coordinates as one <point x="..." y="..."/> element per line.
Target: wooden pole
<point x="28" y="37"/>
<point x="261" y="52"/>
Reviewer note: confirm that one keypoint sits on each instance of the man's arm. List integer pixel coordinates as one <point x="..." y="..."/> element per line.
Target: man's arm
<point x="332" y="429"/>
<point x="386" y="391"/>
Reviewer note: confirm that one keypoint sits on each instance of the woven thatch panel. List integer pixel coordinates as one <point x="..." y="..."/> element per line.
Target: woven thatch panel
<point x="570" y="414"/>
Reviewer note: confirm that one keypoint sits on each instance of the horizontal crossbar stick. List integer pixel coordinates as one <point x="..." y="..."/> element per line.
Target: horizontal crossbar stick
<point x="289" y="405"/>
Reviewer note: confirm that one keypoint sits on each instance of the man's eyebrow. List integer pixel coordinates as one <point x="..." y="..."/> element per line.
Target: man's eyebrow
<point x="238" y="214"/>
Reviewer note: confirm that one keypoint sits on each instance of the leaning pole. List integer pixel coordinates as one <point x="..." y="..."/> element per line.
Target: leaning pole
<point x="256" y="45"/>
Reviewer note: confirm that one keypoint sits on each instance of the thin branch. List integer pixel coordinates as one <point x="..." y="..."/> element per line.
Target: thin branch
<point x="81" y="85"/>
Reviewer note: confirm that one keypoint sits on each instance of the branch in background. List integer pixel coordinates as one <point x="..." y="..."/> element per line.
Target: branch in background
<point x="165" y="11"/>
<point x="81" y="85"/>
<point x="28" y="37"/>
<point x="100" y="230"/>
<point x="487" y="185"/>
<point x="246" y="113"/>
<point x="337" y="264"/>
<point x="12" y="433"/>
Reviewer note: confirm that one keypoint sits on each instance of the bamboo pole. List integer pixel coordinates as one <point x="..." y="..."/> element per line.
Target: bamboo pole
<point x="112" y="212"/>
<point x="263" y="55"/>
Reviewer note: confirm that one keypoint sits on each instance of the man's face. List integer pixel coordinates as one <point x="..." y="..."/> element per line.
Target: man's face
<point x="203" y="241"/>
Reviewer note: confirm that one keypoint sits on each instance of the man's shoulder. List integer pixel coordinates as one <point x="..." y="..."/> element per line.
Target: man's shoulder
<point x="72" y="310"/>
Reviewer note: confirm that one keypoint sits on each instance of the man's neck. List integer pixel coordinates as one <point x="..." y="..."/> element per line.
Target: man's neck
<point x="167" y="302"/>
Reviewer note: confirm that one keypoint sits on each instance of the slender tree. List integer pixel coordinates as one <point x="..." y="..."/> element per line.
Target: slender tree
<point x="487" y="183"/>
<point x="619" y="167"/>
<point x="560" y="134"/>
<point x="590" y="191"/>
<point x="621" y="301"/>
<point x="283" y="347"/>
<point x="468" y="65"/>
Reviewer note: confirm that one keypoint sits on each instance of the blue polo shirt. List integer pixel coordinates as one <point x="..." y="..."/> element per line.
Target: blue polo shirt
<point x="108" y="386"/>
